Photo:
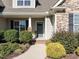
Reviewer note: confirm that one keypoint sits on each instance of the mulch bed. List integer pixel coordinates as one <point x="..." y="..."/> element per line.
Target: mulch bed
<point x="12" y="56"/>
<point x="69" y="56"/>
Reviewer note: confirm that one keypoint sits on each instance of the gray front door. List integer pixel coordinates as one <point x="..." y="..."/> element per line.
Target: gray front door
<point x="39" y="29"/>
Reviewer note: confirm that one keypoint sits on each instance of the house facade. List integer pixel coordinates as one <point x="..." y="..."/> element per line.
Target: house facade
<point x="44" y="17"/>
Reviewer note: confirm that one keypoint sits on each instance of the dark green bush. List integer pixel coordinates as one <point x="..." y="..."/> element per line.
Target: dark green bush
<point x="11" y="35"/>
<point x="68" y="39"/>
<point x="25" y="36"/>
<point x="7" y="48"/>
<point x="77" y="36"/>
<point x="1" y="35"/>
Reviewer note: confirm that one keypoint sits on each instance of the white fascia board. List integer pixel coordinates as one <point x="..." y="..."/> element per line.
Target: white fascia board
<point x="25" y="13"/>
<point x="59" y="2"/>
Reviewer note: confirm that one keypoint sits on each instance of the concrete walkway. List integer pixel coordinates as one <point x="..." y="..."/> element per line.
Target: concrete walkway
<point x="36" y="51"/>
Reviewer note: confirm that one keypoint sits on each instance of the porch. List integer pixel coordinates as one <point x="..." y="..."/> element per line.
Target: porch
<point x="43" y="27"/>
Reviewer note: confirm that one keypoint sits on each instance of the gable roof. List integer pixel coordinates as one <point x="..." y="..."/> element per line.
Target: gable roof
<point x="42" y="6"/>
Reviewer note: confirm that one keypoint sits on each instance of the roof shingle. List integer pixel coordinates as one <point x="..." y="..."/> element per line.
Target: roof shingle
<point x="42" y="6"/>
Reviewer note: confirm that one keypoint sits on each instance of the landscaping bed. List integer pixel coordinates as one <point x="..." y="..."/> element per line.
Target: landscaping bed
<point x="14" y="43"/>
<point x="64" y="45"/>
<point x="17" y="53"/>
<point x="68" y="56"/>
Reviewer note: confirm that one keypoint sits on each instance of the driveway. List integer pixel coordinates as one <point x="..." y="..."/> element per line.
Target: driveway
<point x="36" y="51"/>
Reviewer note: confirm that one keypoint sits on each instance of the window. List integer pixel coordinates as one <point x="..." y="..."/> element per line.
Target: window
<point x="76" y="22"/>
<point x="23" y="3"/>
<point x="20" y="2"/>
<point x="27" y="2"/>
<point x="19" y="25"/>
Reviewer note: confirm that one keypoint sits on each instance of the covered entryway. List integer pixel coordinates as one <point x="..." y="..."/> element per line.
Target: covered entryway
<point x="42" y="27"/>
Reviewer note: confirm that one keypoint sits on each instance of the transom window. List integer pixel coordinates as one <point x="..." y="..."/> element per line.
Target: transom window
<point x="76" y="22"/>
<point x="23" y="2"/>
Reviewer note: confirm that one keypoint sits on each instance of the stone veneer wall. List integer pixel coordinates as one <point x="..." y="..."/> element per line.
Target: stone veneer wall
<point x="62" y="22"/>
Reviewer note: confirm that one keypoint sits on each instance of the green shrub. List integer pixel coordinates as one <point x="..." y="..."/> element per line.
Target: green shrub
<point x="67" y="39"/>
<point x="77" y="51"/>
<point x="25" y="36"/>
<point x="77" y="36"/>
<point x="7" y="48"/>
<point x="11" y="35"/>
<point x="13" y="46"/>
<point x="55" y="50"/>
<point x="1" y="35"/>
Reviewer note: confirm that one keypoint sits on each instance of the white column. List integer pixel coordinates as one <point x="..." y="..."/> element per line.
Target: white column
<point x="30" y="24"/>
<point x="46" y="27"/>
<point x="30" y="21"/>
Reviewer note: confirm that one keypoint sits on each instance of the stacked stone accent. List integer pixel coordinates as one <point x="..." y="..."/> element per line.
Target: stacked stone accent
<point x="62" y="22"/>
<point x="63" y="19"/>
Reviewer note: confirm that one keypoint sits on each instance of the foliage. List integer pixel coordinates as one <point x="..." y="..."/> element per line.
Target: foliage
<point x="11" y="35"/>
<point x="55" y="50"/>
<point x="1" y="35"/>
<point x="68" y="39"/>
<point x="7" y="48"/>
<point x="77" y="51"/>
<point x="25" y="36"/>
<point x="77" y="36"/>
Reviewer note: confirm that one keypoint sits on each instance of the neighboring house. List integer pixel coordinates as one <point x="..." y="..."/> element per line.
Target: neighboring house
<point x="45" y="17"/>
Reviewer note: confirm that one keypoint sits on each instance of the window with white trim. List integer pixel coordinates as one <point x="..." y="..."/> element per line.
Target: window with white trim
<point x="19" y="2"/>
<point x="23" y="3"/>
<point x="76" y="22"/>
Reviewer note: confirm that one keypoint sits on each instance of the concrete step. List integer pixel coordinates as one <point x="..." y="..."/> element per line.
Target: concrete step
<point x="40" y="41"/>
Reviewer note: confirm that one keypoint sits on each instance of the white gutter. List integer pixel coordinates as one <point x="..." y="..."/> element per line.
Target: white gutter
<point x="59" y="2"/>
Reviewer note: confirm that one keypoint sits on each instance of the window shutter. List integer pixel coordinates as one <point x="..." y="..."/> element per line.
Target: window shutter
<point x="11" y="24"/>
<point x="26" y="24"/>
<point x="71" y="22"/>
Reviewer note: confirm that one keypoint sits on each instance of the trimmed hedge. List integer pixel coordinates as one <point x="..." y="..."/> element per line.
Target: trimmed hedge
<point x="68" y="39"/>
<point x="11" y="35"/>
<point x="55" y="50"/>
<point x="25" y="36"/>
